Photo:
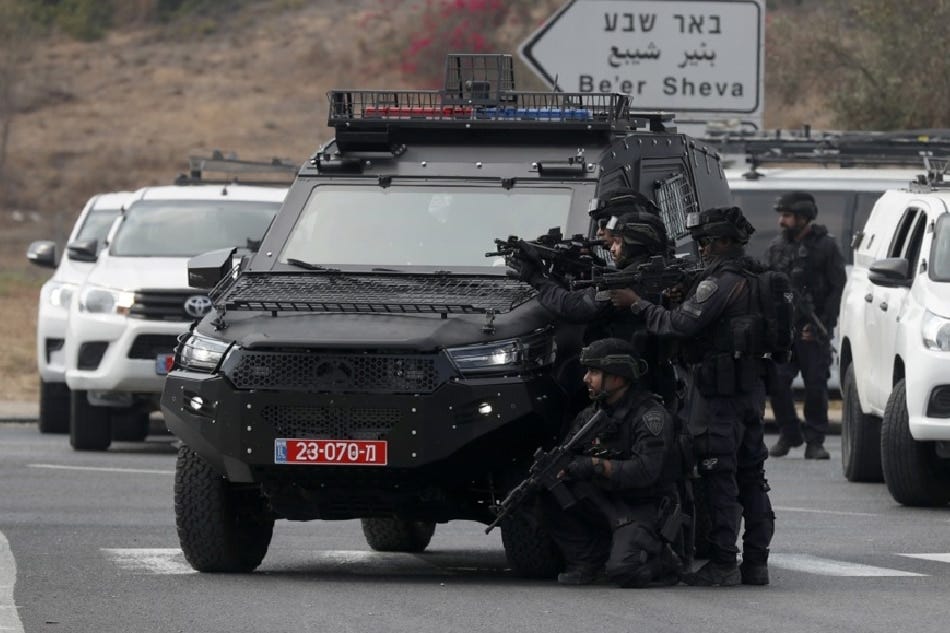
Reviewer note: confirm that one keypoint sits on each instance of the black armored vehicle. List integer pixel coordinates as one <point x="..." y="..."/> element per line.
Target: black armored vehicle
<point x="370" y="361"/>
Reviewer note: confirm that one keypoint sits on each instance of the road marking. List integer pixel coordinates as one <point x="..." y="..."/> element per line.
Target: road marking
<point x="813" y="511"/>
<point x="105" y="469"/>
<point x="160" y="561"/>
<point x="940" y="558"/>
<point x="9" y="618"/>
<point x="827" y="567"/>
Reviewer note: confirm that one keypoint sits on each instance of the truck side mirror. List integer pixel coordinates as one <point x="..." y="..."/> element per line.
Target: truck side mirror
<point x="42" y="253"/>
<point x="893" y="272"/>
<point x="83" y="250"/>
<point x="207" y="269"/>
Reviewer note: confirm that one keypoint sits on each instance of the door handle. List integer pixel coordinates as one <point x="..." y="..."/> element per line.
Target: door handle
<point x="868" y="298"/>
<point x="884" y="306"/>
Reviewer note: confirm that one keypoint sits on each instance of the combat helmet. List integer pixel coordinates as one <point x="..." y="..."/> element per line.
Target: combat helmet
<point x="614" y="356"/>
<point x="720" y="222"/>
<point x="797" y="202"/>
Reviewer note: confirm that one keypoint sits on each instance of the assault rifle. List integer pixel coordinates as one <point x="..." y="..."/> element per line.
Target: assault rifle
<point x="648" y="279"/>
<point x="562" y="259"/>
<point x="543" y="474"/>
<point x="806" y="305"/>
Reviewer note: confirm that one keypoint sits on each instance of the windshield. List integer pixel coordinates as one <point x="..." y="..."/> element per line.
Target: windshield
<point x="184" y="228"/>
<point x="446" y="227"/>
<point x="97" y="223"/>
<point x="940" y="250"/>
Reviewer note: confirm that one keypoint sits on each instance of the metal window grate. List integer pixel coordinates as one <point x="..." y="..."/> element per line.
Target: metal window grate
<point x="335" y="292"/>
<point x="478" y="78"/>
<point x="676" y="199"/>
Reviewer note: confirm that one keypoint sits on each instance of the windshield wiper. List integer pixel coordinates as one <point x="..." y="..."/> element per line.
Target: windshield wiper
<point x="299" y="263"/>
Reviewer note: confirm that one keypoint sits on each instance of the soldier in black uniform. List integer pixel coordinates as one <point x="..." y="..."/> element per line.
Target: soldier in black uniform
<point x="810" y="257"/>
<point x="637" y="233"/>
<point x="633" y="463"/>
<point x="727" y="396"/>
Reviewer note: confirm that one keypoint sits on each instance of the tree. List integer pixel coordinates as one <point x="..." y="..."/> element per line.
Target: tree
<point x="881" y="64"/>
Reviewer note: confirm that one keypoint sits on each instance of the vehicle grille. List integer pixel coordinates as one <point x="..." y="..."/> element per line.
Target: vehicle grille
<point x="334" y="373"/>
<point x="149" y="346"/>
<point x="338" y="423"/>
<point x="163" y="305"/>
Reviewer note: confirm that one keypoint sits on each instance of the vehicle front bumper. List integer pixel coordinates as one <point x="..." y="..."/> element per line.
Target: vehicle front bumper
<point x="117" y="371"/>
<point x="235" y="430"/>
<point x="927" y="374"/>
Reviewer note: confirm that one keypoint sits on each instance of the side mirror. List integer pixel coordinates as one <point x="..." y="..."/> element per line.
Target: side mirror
<point x="893" y="272"/>
<point x="42" y="253"/>
<point x="83" y="250"/>
<point x="207" y="269"/>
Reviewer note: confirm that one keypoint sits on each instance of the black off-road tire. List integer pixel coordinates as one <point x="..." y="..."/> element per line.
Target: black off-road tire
<point x="221" y="528"/>
<point x="90" y="427"/>
<point x="130" y="425"/>
<point x="54" y="407"/>
<point x="860" y="436"/>
<point x="530" y="550"/>
<point x="914" y="475"/>
<point x="390" y="534"/>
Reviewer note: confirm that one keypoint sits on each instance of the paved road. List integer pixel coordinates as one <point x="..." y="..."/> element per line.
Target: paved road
<point x="92" y="547"/>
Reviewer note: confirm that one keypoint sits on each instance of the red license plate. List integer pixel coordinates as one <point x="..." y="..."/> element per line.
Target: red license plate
<point x="331" y="452"/>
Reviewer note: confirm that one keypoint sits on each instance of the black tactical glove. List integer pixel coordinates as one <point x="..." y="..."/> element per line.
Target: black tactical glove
<point x="526" y="269"/>
<point x="581" y="468"/>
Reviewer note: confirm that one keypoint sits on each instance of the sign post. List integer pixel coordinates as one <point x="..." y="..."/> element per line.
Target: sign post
<point x="701" y="59"/>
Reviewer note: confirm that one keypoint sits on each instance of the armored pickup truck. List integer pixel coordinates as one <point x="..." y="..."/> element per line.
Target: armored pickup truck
<point x="369" y="361"/>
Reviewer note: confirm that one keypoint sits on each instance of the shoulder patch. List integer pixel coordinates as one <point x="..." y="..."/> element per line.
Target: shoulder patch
<point x="654" y="421"/>
<point x="705" y="289"/>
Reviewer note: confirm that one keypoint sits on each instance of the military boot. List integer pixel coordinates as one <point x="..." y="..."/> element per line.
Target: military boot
<point x="815" y="450"/>
<point x="782" y="446"/>
<point x="580" y="574"/>
<point x="754" y="573"/>
<point x="714" y="574"/>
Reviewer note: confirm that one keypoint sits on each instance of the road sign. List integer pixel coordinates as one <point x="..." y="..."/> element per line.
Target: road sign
<point x="702" y="57"/>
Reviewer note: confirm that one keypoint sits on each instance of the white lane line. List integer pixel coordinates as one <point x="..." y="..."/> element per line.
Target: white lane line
<point x="827" y="567"/>
<point x="813" y="511"/>
<point x="105" y="469"/>
<point x="160" y="561"/>
<point x="9" y="618"/>
<point x="940" y="558"/>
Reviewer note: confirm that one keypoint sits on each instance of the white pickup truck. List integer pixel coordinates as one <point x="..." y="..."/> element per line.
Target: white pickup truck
<point x="895" y="346"/>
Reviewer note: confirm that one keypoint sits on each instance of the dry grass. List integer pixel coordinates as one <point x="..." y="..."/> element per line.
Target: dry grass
<point x="126" y="112"/>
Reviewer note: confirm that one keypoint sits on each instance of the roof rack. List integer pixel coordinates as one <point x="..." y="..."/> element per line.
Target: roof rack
<point x="479" y="93"/>
<point x="219" y="163"/>
<point x="841" y="148"/>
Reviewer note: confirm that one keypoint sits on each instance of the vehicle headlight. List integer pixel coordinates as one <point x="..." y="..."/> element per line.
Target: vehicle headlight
<point x="507" y="356"/>
<point x="935" y="331"/>
<point x="59" y="294"/>
<point x="100" y="300"/>
<point x="202" y="353"/>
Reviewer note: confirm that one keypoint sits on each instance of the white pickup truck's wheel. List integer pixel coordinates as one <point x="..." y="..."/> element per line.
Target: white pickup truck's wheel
<point x="90" y="427"/>
<point x="860" y="436"/>
<point x="54" y="407"/>
<point x="915" y="476"/>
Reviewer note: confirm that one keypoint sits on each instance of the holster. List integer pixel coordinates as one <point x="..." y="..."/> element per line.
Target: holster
<point x="671" y="519"/>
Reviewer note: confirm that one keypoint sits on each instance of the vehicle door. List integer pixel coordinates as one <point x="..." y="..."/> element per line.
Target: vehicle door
<point x="888" y="303"/>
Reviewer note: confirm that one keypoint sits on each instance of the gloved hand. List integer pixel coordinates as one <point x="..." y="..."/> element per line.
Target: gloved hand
<point x="581" y="468"/>
<point x="526" y="269"/>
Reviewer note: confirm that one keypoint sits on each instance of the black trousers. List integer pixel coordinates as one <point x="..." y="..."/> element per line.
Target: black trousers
<point x="630" y="554"/>
<point x="731" y="454"/>
<point x="813" y="360"/>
